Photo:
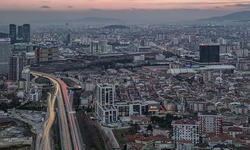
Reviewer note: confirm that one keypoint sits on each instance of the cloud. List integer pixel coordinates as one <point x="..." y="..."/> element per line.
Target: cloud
<point x="70" y="7"/>
<point x="45" y="7"/>
<point x="243" y="5"/>
<point x="239" y="5"/>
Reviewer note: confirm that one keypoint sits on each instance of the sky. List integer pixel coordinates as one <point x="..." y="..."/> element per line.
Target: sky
<point x="32" y="10"/>
<point x="69" y="5"/>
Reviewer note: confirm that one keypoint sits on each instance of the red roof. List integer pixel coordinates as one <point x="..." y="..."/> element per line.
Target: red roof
<point x="235" y="129"/>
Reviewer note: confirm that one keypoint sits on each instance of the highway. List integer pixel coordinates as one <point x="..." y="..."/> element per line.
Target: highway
<point x="163" y="48"/>
<point x="68" y="126"/>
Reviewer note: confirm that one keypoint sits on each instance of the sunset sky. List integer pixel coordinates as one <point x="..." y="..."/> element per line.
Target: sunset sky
<point x="69" y="5"/>
<point x="23" y="11"/>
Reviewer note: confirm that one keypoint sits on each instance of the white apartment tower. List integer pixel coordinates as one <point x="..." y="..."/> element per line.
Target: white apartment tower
<point x="185" y="130"/>
<point x="105" y="108"/>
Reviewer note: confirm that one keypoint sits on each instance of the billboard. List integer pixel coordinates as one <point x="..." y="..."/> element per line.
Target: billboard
<point x="5" y="40"/>
<point x="153" y="107"/>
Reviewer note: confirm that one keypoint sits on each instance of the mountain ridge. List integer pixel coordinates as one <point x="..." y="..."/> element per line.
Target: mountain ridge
<point x="236" y="16"/>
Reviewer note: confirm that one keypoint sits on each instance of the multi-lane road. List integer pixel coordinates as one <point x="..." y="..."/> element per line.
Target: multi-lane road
<point x="70" y="134"/>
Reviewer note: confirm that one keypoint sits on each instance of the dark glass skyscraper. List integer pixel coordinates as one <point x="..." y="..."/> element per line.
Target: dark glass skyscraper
<point x="209" y="53"/>
<point x="20" y="32"/>
<point x="12" y="33"/>
<point x="26" y="33"/>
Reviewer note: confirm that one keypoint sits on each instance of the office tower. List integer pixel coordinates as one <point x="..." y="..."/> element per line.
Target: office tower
<point x="44" y="54"/>
<point x="185" y="130"/>
<point x="142" y="42"/>
<point x="68" y="39"/>
<point x="12" y="33"/>
<point x="20" y="32"/>
<point x="105" y="108"/>
<point x="16" y="67"/>
<point x="5" y="53"/>
<point x="26" y="76"/>
<point x="210" y="122"/>
<point x="26" y="33"/>
<point x="209" y="53"/>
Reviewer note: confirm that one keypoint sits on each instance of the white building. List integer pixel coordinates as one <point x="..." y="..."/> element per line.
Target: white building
<point x="89" y="86"/>
<point x="139" y="58"/>
<point x="160" y="57"/>
<point x="35" y="94"/>
<point x="175" y="41"/>
<point x="26" y="76"/>
<point x="160" y="36"/>
<point x="105" y="108"/>
<point x="185" y="130"/>
<point x="210" y="122"/>
<point x="191" y="38"/>
<point x="100" y="47"/>
<point x="86" y="99"/>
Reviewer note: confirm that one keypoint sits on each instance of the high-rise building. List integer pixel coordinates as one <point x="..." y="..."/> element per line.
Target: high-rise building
<point x="209" y="53"/>
<point x="46" y="54"/>
<point x="160" y="36"/>
<point x="12" y="33"/>
<point x="100" y="47"/>
<point x="185" y="130"/>
<point x="16" y="67"/>
<point x="20" y="32"/>
<point x="68" y="39"/>
<point x="210" y="122"/>
<point x="105" y="107"/>
<point x="95" y="47"/>
<point x="5" y="53"/>
<point x="26" y="76"/>
<point x="26" y="33"/>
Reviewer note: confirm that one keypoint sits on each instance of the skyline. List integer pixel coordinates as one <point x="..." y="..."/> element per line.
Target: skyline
<point x="79" y="5"/>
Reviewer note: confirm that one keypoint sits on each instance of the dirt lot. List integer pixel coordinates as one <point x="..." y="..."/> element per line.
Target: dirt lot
<point x="92" y="137"/>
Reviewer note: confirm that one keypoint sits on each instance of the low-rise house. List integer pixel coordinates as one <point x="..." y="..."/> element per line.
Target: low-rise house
<point x="140" y="120"/>
<point x="234" y="131"/>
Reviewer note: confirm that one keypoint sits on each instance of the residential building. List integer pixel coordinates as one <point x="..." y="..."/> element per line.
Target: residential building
<point x="26" y="33"/>
<point x="35" y="94"/>
<point x="20" y="32"/>
<point x="100" y="47"/>
<point x="187" y="130"/>
<point x="5" y="53"/>
<point x="16" y="67"/>
<point x="26" y="76"/>
<point x="184" y="144"/>
<point x="210" y="122"/>
<point x="12" y="33"/>
<point x="105" y="107"/>
<point x="45" y="54"/>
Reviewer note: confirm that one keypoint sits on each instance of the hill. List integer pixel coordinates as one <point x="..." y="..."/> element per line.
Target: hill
<point x="87" y="20"/>
<point x="116" y="27"/>
<point x="237" y="16"/>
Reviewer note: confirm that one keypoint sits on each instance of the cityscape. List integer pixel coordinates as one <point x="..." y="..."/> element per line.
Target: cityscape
<point x="143" y="82"/>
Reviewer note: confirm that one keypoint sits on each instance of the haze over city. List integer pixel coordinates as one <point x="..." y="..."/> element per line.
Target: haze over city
<point x="135" y="10"/>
